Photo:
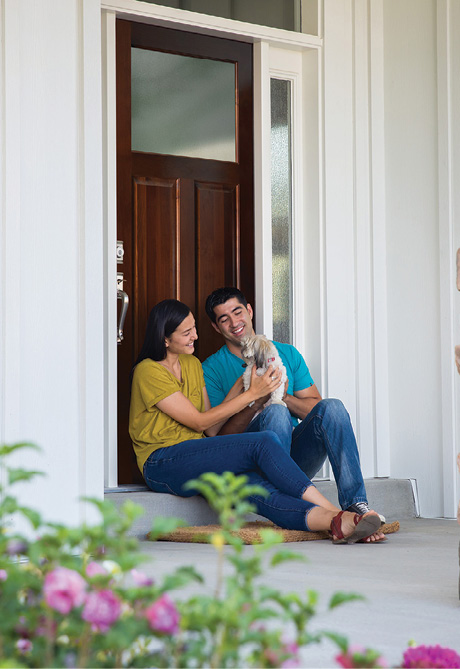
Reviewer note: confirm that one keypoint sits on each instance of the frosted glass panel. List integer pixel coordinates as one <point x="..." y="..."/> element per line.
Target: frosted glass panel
<point x="281" y="199"/>
<point x="275" y="13"/>
<point x="182" y="106"/>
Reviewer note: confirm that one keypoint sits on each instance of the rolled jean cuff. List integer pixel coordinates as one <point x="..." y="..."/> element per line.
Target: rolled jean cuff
<point x="310" y="485"/>
<point x="306" y="518"/>
<point x="354" y="501"/>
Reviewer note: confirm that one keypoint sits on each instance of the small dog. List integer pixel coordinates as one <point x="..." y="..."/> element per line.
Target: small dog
<point x="259" y="351"/>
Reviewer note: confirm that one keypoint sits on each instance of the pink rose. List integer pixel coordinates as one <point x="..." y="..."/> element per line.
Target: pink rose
<point x="64" y="589"/>
<point x="23" y="646"/>
<point x="140" y="578"/>
<point x="163" y="616"/>
<point x="95" y="569"/>
<point x="102" y="609"/>
<point x="431" y="656"/>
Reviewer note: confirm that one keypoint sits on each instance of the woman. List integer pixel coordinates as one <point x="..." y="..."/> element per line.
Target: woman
<point x="173" y="428"/>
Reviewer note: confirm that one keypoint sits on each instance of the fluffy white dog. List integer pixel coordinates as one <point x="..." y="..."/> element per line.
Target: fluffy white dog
<point x="259" y="351"/>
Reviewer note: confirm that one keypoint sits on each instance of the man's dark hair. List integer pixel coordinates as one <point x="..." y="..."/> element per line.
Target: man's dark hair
<point x="220" y="296"/>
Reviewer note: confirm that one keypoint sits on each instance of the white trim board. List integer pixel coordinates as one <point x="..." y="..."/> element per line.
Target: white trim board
<point x="264" y="53"/>
<point x="209" y="25"/>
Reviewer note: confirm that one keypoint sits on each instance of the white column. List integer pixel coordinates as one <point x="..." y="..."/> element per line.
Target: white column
<point x="51" y="246"/>
<point x="339" y="203"/>
<point x="356" y="318"/>
<point x="448" y="22"/>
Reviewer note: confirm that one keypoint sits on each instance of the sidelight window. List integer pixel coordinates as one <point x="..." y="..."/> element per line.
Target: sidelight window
<point x="281" y="208"/>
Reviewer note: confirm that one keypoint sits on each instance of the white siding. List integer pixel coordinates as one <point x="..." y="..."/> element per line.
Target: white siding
<point x="51" y="292"/>
<point x="413" y="247"/>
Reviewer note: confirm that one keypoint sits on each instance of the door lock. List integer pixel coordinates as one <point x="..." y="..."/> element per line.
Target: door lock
<point x="120" y="252"/>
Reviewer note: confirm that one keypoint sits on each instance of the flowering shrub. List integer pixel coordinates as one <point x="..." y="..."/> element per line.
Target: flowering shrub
<point x="76" y="597"/>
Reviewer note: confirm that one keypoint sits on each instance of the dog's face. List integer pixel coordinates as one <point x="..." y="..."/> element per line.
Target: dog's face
<point x="257" y="349"/>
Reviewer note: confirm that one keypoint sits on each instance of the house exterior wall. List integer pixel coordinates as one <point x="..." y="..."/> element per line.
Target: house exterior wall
<point x="385" y="225"/>
<point x="52" y="375"/>
<point x="413" y="246"/>
<point x="422" y="67"/>
<point x="390" y="78"/>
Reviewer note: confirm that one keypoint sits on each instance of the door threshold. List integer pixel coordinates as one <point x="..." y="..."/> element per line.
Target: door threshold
<point x="127" y="487"/>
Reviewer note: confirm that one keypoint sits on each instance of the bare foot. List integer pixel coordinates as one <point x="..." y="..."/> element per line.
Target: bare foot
<point x="349" y="528"/>
<point x="377" y="536"/>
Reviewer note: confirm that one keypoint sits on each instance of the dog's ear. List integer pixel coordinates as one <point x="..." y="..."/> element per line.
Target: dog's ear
<point x="247" y="346"/>
<point x="261" y="351"/>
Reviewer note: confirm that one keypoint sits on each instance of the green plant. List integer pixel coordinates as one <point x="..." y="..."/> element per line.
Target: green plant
<point x="75" y="597"/>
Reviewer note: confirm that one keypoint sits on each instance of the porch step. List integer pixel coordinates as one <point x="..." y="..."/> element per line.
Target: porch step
<point x="396" y="499"/>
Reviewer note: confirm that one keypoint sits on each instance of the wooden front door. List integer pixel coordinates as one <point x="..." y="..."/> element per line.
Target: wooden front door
<point x="187" y="224"/>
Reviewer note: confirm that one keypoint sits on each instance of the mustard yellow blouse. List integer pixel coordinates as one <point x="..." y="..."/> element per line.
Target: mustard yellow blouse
<point x="149" y="427"/>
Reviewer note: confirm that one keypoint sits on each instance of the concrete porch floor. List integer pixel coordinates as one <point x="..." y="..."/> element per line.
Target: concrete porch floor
<point x="410" y="582"/>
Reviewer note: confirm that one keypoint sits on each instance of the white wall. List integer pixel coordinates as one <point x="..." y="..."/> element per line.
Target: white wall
<point x="411" y="153"/>
<point x="448" y="86"/>
<point x="391" y="228"/>
<point x="353" y="224"/>
<point x="51" y="247"/>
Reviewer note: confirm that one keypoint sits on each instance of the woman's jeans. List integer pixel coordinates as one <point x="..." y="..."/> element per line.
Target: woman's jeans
<point x="260" y="456"/>
<point x="325" y="432"/>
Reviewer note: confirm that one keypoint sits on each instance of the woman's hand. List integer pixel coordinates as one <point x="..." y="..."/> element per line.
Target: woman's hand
<point x="179" y="408"/>
<point x="261" y="386"/>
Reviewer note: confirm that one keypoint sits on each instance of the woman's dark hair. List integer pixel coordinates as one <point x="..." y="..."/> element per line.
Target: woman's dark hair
<point x="164" y="319"/>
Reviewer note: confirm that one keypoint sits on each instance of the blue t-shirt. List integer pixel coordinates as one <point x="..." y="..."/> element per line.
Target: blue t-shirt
<point x="222" y="369"/>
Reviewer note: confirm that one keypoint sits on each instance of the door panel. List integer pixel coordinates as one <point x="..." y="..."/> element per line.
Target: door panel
<point x="154" y="200"/>
<point x="186" y="223"/>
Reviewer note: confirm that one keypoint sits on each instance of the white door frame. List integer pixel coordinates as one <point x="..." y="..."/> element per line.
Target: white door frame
<point x="264" y="39"/>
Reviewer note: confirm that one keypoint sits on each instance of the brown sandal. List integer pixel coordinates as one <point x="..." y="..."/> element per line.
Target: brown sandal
<point x="365" y="526"/>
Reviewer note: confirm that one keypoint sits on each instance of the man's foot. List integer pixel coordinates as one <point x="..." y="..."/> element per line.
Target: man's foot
<point x="361" y="508"/>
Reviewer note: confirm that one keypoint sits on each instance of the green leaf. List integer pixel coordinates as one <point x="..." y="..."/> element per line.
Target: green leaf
<point x="339" y="598"/>
<point x="18" y="474"/>
<point x="269" y="538"/>
<point x="33" y="516"/>
<point x="286" y="556"/>
<point x="6" y="449"/>
<point x="338" y="639"/>
<point x="163" y="526"/>
<point x="8" y="505"/>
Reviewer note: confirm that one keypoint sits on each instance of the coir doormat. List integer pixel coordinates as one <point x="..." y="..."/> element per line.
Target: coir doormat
<point x="250" y="533"/>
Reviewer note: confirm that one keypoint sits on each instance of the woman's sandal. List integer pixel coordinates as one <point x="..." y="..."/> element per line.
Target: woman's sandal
<point x="365" y="526"/>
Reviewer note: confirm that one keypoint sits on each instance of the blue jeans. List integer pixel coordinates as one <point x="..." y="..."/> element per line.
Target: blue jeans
<point x="260" y="456"/>
<point x="325" y="432"/>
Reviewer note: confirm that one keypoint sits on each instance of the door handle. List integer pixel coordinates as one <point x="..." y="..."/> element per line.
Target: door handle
<point x="121" y="295"/>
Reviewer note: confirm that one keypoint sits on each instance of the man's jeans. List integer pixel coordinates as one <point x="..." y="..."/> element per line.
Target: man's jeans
<point x="325" y="432"/>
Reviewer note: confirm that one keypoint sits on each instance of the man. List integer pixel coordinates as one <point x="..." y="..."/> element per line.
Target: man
<point x="310" y="428"/>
